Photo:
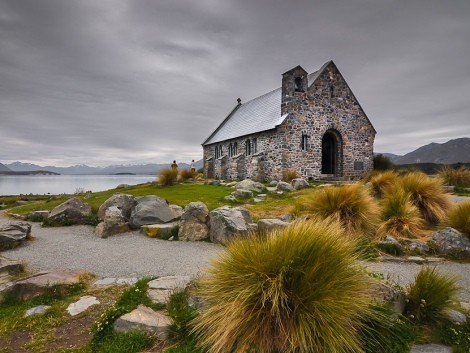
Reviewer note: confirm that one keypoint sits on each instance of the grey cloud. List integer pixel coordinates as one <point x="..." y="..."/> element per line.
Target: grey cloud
<point x="120" y="80"/>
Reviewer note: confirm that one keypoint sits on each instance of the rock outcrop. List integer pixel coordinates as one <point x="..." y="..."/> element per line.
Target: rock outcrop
<point x="299" y="183"/>
<point x="250" y="185"/>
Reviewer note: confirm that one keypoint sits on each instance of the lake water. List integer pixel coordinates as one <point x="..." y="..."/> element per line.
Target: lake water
<point x="65" y="184"/>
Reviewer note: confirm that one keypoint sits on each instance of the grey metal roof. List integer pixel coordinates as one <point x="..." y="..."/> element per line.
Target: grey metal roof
<point x="259" y="114"/>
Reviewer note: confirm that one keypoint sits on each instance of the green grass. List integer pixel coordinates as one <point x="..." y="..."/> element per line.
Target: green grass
<point x="180" y="194"/>
<point x="429" y="295"/>
<point x="103" y="329"/>
<point x="41" y="326"/>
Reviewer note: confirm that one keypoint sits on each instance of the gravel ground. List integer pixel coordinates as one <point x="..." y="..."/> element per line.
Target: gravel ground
<point x="124" y="255"/>
<point x="135" y="255"/>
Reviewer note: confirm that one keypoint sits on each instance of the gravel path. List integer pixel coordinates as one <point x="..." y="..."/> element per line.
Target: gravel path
<point x="125" y="255"/>
<point x="135" y="255"/>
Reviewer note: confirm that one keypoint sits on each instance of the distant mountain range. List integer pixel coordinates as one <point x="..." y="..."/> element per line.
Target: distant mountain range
<point x="450" y="152"/>
<point x="148" y="169"/>
<point x="4" y="168"/>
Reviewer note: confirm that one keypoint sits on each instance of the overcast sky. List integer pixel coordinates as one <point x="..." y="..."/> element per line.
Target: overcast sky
<point x="131" y="81"/>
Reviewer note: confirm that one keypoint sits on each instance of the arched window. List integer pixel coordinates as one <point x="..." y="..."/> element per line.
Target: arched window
<point x="247" y="147"/>
<point x="254" y="145"/>
<point x="218" y="151"/>
<point x="235" y="148"/>
<point x="230" y="150"/>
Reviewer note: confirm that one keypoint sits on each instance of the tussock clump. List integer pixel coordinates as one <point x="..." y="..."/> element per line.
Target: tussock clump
<point x="459" y="217"/>
<point x="351" y="205"/>
<point x="289" y="174"/>
<point x="186" y="174"/>
<point x="168" y="176"/>
<point x="381" y="181"/>
<point x="430" y="294"/>
<point x="456" y="176"/>
<point x="289" y="292"/>
<point x="427" y="194"/>
<point x="400" y="218"/>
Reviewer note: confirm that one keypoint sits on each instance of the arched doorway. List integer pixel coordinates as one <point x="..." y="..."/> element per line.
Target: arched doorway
<point x="331" y="153"/>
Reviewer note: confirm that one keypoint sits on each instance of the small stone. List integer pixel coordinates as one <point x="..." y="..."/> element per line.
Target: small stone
<point x="161" y="231"/>
<point x="416" y="259"/>
<point x="81" y="305"/>
<point x="144" y="319"/>
<point x="40" y="309"/>
<point x="430" y="348"/>
<point x="105" y="282"/>
<point x="283" y="186"/>
<point x="268" y="225"/>
<point x="170" y="282"/>
<point x="127" y="281"/>
<point x="455" y="316"/>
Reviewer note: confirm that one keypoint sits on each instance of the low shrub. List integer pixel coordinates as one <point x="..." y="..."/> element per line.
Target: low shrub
<point x="429" y="295"/>
<point x="168" y="177"/>
<point x="381" y="181"/>
<point x="400" y="218"/>
<point x="382" y="162"/>
<point x="384" y="333"/>
<point x="351" y="205"/>
<point x="459" y="217"/>
<point x="427" y="194"/>
<point x="288" y="292"/>
<point x="289" y="174"/>
<point x="456" y="176"/>
<point x="186" y="174"/>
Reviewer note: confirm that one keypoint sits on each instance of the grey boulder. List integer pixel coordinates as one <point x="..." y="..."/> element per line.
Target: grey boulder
<point x="114" y="223"/>
<point x="226" y="223"/>
<point x="194" y="225"/>
<point x="268" y="225"/>
<point x="73" y="211"/>
<point x="151" y="210"/>
<point x="122" y="201"/>
<point x="283" y="186"/>
<point x="299" y="183"/>
<point x="449" y="241"/>
<point x="14" y="234"/>
<point x="251" y="185"/>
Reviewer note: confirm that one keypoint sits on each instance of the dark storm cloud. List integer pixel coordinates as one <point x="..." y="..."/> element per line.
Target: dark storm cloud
<point x="133" y="81"/>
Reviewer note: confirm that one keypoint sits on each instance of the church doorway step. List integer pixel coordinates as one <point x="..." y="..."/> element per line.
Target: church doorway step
<point x="331" y="156"/>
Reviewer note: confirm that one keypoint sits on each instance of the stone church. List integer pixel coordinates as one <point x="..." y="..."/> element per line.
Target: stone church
<point x="313" y="124"/>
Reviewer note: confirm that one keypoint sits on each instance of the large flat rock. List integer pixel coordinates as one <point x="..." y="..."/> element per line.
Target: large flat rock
<point x="39" y="283"/>
<point x="430" y="348"/>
